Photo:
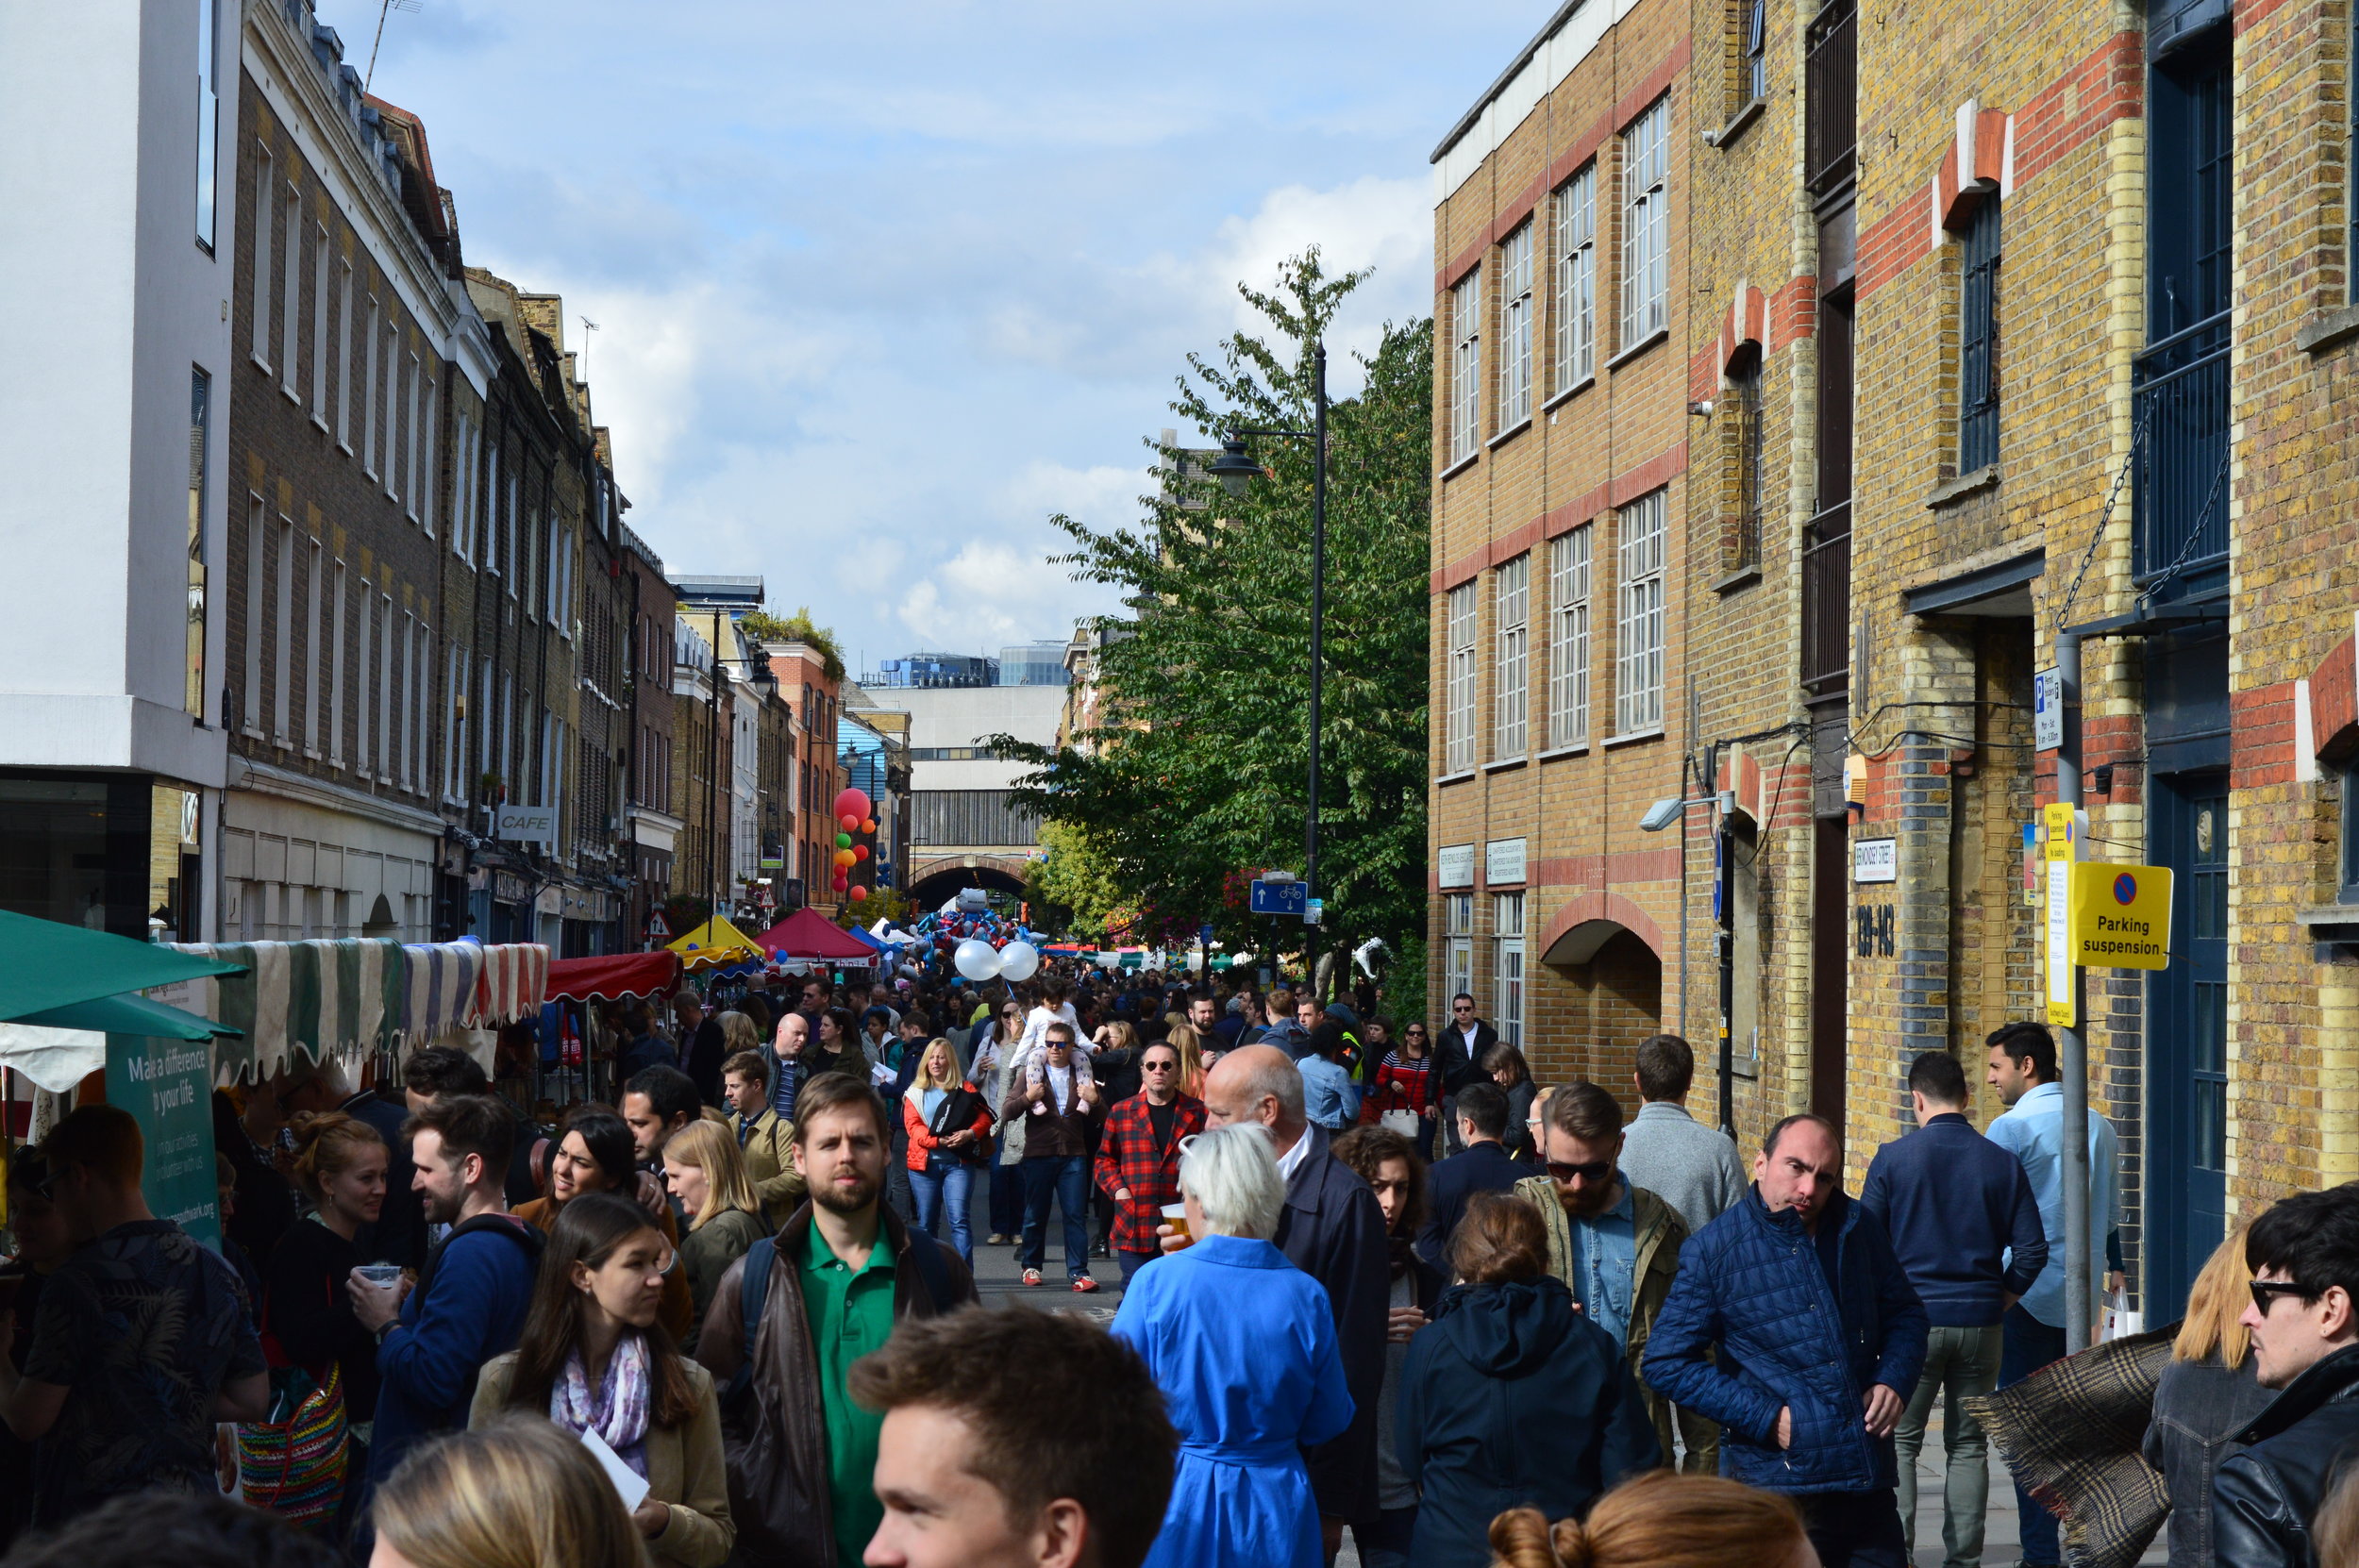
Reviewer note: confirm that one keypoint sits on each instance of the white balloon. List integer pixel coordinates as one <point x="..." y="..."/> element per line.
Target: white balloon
<point x="975" y="959"/>
<point x="1019" y="961"/>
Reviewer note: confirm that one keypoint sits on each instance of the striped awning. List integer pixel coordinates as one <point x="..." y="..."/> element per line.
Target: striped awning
<point x="352" y="996"/>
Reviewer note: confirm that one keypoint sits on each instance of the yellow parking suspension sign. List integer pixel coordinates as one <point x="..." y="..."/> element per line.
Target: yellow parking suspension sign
<point x="2120" y="916"/>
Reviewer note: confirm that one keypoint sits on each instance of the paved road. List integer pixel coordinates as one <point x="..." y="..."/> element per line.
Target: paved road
<point x="997" y="1279"/>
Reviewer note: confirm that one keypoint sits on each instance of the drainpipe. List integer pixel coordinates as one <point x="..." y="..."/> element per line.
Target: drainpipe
<point x="2072" y="1053"/>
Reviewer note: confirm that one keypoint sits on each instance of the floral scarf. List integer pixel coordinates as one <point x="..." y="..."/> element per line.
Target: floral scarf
<point x="618" y="1411"/>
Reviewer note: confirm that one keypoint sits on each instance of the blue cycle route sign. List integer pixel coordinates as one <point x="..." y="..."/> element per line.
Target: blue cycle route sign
<point x="1280" y="898"/>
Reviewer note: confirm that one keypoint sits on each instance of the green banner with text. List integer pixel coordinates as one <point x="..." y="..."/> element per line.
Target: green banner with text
<point x="167" y="1087"/>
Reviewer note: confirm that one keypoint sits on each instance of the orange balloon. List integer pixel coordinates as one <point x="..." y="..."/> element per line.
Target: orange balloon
<point x="859" y="896"/>
<point x="868" y="825"/>
<point x="844" y="858"/>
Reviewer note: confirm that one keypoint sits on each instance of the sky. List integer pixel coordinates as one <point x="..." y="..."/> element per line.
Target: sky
<point x="880" y="287"/>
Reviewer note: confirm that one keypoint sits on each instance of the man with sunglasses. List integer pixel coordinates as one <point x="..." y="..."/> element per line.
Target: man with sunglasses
<point x="2304" y="1323"/>
<point x="1138" y="1155"/>
<point x="1457" y="1061"/>
<point x="1616" y="1245"/>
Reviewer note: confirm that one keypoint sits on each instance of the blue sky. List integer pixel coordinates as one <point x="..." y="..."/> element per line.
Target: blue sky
<point x="882" y="286"/>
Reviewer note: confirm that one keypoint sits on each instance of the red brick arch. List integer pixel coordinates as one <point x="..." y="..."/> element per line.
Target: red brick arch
<point x="1607" y="912"/>
<point x="2334" y="701"/>
<point x="955" y="865"/>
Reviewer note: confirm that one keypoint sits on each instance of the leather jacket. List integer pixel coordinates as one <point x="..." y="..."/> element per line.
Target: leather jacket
<point x="775" y="1433"/>
<point x="2267" y="1496"/>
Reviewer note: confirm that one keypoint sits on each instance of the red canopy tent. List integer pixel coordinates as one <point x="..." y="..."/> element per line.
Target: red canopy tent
<point x="807" y="934"/>
<point x="614" y="976"/>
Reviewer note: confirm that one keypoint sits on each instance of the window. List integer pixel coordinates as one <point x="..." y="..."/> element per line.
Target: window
<point x="1465" y="366"/>
<point x="393" y="405"/>
<point x="364" y="709"/>
<point x="1506" y="967"/>
<point x="1754" y="20"/>
<point x="319" y="327"/>
<point x="368" y="396"/>
<point x="343" y="357"/>
<point x="1575" y="309"/>
<point x="291" y="292"/>
<point x="1977" y="340"/>
<point x="389" y="717"/>
<point x="250" y="719"/>
<point x="409" y="481"/>
<point x="483" y="720"/>
<point x="311" y="651"/>
<point x="508" y="536"/>
<point x="1459" y="749"/>
<point x="265" y="214"/>
<point x="1512" y="699"/>
<point x="1568" y="639"/>
<point x="1645" y="226"/>
<point x="335" y="667"/>
<point x="1639" y="683"/>
<point x="405" y="768"/>
<point x="1741" y="546"/>
<point x="2347" y="873"/>
<point x="207" y="115"/>
<point x="425" y="492"/>
<point x="200" y="445"/>
<point x="1515" y="329"/>
<point x="1458" y="921"/>
<point x="454" y="721"/>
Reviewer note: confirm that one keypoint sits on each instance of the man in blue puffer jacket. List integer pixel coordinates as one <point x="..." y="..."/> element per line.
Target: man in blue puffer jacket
<point x="1819" y="1337"/>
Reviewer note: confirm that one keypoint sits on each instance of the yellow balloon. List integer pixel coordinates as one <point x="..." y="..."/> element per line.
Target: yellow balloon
<point x="844" y="858"/>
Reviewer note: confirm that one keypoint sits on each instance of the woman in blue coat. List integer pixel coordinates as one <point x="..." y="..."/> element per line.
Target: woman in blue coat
<point x="1511" y="1398"/>
<point x="1243" y="1344"/>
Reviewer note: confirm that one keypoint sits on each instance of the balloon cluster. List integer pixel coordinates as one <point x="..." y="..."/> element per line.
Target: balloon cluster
<point x="851" y="816"/>
<point x="982" y="946"/>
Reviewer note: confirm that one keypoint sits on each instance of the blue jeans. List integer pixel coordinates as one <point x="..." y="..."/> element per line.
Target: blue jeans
<point x="1066" y="1178"/>
<point x="946" y="1176"/>
<point x="1133" y="1262"/>
<point x="2030" y="1345"/>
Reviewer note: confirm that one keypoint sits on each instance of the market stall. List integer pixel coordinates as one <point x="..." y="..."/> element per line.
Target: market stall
<point x="716" y="944"/>
<point x="809" y="937"/>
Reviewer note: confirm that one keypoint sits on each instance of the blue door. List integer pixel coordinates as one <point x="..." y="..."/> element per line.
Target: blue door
<point x="2186" y="1170"/>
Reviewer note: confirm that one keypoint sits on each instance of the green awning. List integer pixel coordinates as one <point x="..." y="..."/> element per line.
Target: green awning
<point x="132" y="1015"/>
<point x="44" y="965"/>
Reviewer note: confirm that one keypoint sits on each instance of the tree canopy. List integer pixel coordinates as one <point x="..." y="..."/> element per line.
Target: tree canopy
<point x="1194" y="774"/>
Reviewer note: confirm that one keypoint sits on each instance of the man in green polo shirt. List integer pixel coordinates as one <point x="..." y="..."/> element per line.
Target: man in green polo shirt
<point x="801" y="1455"/>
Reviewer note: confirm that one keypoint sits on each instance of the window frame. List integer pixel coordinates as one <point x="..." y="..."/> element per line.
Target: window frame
<point x="1753" y="45"/>
<point x="1516" y="327"/>
<point x="1641" y="548"/>
<point x="266" y="215"/>
<point x="1981" y="253"/>
<point x="1508" y="973"/>
<point x="1571" y="584"/>
<point x="1646" y="146"/>
<point x="1465" y="366"/>
<point x="1458" y="755"/>
<point x="1574" y="308"/>
<point x="1510" y="668"/>
<point x="1458" y="943"/>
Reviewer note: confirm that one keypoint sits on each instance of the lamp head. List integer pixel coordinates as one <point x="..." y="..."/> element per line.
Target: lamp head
<point x="1662" y="813"/>
<point x="1232" y="468"/>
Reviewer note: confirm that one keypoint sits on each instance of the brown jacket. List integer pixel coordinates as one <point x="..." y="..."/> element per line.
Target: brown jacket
<point x="684" y="1468"/>
<point x="776" y="1429"/>
<point x="770" y="1166"/>
<point x="1051" y="1135"/>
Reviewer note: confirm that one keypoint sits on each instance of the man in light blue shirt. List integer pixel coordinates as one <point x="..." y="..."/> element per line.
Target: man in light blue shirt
<point x="2022" y="1069"/>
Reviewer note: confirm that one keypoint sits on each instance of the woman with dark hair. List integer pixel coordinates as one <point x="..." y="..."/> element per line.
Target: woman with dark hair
<point x="1404" y="1077"/>
<point x="839" y="1045"/>
<point x="1506" y="1067"/>
<point x="595" y="1154"/>
<point x="595" y="1361"/>
<point x="1511" y="1397"/>
<point x="1385" y="1161"/>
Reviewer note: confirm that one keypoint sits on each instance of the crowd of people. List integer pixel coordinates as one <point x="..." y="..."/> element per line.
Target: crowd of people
<point x="1375" y="1282"/>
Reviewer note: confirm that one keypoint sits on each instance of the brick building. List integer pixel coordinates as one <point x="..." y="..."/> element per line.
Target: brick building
<point x="1563" y="698"/>
<point x="656" y="824"/>
<point x="1992" y="322"/>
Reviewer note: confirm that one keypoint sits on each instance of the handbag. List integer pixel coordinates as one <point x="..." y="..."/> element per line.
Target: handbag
<point x="1399" y="1119"/>
<point x="293" y="1462"/>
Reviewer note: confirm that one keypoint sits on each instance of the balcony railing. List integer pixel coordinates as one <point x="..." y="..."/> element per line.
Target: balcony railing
<point x="1831" y="76"/>
<point x="2179" y="511"/>
<point x="1827" y="602"/>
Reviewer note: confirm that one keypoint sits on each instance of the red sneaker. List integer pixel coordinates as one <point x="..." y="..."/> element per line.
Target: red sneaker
<point x="1085" y="1284"/>
<point x="1031" y="1276"/>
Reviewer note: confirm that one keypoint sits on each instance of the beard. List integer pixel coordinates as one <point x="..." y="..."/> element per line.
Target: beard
<point x="837" y="1199"/>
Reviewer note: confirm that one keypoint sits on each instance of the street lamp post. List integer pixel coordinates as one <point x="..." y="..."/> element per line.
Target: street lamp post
<point x="1236" y="471"/>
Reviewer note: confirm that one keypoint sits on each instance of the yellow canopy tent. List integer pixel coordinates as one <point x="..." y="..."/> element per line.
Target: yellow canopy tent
<point x="716" y="944"/>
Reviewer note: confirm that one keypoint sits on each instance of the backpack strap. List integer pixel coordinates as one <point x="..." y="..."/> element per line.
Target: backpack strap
<point x="754" y="1296"/>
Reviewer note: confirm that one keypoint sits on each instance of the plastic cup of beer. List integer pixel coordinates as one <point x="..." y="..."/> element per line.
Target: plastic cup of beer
<point x="383" y="1275"/>
<point x="1176" y="1216"/>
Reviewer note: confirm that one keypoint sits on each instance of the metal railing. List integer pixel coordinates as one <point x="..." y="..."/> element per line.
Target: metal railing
<point x="1827" y="601"/>
<point x="2179" y="510"/>
<point x="1831" y="76"/>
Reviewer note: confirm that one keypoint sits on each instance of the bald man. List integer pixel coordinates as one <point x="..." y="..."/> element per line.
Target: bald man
<point x="1333" y="1231"/>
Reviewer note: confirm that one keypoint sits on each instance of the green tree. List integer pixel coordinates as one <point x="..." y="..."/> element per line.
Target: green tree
<point x="1073" y="886"/>
<point x="1197" y="770"/>
<point x="797" y="627"/>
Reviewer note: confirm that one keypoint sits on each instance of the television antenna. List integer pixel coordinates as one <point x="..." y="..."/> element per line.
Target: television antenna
<point x="384" y="9"/>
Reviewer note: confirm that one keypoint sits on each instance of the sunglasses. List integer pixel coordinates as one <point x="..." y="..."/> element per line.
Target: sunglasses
<point x="1159" y="1067"/>
<point x="1596" y="1170"/>
<point x="2265" y="1292"/>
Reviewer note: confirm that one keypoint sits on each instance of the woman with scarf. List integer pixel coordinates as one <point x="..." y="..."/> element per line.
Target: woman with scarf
<point x="593" y="1360"/>
<point x="1383" y="1159"/>
<point x="995" y="1051"/>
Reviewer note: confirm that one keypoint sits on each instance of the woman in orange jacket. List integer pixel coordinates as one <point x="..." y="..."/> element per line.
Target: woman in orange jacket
<point x="949" y="1126"/>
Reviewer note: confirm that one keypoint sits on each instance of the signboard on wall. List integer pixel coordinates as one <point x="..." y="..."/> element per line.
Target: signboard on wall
<point x="1876" y="860"/>
<point x="1453" y="865"/>
<point x="529" y="825"/>
<point x="167" y="1086"/>
<point x="2046" y="710"/>
<point x="1503" y="863"/>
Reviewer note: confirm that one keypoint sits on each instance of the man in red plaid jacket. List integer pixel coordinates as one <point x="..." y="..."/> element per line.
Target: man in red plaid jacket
<point x="1138" y="1155"/>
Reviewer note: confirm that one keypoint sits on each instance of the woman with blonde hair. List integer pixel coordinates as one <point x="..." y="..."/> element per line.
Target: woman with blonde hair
<point x="948" y="1125"/>
<point x="704" y="1171"/>
<point x="593" y="1358"/>
<point x="738" y="1033"/>
<point x="1661" y="1520"/>
<point x="1243" y="1344"/>
<point x="1183" y="1039"/>
<point x="514" y="1493"/>
<point x="2207" y="1393"/>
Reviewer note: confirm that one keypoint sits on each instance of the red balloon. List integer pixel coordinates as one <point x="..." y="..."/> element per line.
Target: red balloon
<point x="859" y="896"/>
<point x="859" y="852"/>
<point x="852" y="803"/>
<point x="842" y="882"/>
<point x="847" y="821"/>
